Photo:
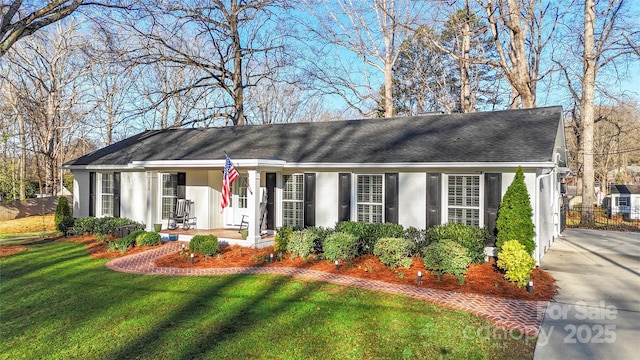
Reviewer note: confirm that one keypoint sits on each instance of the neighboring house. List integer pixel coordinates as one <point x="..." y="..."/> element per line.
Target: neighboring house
<point x="416" y="171"/>
<point x="624" y="200"/>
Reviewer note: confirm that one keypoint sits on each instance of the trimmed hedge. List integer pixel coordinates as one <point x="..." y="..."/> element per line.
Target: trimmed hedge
<point x="470" y="237"/>
<point x="340" y="246"/>
<point x="282" y="238"/>
<point x="447" y="257"/>
<point x="417" y="237"/>
<point x="206" y="245"/>
<point x="103" y="225"/>
<point x="368" y="234"/>
<point x="302" y="243"/>
<point x="394" y="252"/>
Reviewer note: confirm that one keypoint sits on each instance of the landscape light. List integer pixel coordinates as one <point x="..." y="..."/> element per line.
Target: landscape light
<point x="419" y="277"/>
<point x="191" y="258"/>
<point x="336" y="264"/>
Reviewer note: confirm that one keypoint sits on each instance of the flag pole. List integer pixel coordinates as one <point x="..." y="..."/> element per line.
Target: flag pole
<point x="244" y="180"/>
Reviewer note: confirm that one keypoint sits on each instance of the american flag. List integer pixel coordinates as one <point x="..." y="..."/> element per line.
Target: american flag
<point x="229" y="175"/>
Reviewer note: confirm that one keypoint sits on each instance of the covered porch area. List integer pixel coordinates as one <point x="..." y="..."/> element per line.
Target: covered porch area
<point x="225" y="236"/>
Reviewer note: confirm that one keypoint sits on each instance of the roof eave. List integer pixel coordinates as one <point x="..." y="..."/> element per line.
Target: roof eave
<point x="275" y="164"/>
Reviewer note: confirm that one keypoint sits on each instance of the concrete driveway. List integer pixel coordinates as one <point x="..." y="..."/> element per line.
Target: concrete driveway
<point x="596" y="313"/>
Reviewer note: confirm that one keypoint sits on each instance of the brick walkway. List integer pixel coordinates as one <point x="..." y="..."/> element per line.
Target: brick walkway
<point x="524" y="316"/>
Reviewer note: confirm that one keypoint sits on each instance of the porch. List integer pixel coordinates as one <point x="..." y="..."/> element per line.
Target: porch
<point x="225" y="236"/>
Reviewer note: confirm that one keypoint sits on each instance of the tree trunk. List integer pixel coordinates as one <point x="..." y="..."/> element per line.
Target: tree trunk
<point x="238" y="85"/>
<point x="22" y="172"/>
<point x="587" y="104"/>
<point x="388" y="89"/>
<point x="465" y="83"/>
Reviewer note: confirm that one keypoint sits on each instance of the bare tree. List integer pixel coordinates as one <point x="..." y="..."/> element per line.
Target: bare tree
<point x="273" y="103"/>
<point x="50" y="81"/>
<point x="20" y="20"/>
<point x="521" y="30"/>
<point x="603" y="48"/>
<point x="225" y="47"/>
<point x="355" y="46"/>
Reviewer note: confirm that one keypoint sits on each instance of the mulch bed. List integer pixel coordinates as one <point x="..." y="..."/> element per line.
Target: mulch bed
<point x="483" y="279"/>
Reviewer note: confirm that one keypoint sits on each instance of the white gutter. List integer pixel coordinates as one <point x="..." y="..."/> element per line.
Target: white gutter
<point x="538" y="257"/>
<point x="262" y="163"/>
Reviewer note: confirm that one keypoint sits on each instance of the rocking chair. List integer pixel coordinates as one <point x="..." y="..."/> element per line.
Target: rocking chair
<point x="182" y="215"/>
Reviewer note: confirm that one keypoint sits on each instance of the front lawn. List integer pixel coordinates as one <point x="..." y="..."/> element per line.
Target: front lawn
<point x="58" y="302"/>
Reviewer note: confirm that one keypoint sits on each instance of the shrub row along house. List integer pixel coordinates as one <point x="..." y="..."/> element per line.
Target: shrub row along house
<point x="415" y="171"/>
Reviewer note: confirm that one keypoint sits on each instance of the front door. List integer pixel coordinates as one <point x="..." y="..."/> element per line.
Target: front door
<point x="239" y="202"/>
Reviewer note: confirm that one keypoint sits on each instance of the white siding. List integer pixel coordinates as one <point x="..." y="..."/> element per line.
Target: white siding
<point x="197" y="190"/>
<point x="133" y="192"/>
<point x="80" y="193"/>
<point x="412" y="199"/>
<point x="326" y="199"/>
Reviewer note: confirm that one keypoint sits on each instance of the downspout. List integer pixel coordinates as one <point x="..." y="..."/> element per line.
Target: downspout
<point x="537" y="215"/>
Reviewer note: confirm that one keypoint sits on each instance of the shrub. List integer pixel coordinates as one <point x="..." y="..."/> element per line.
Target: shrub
<point x="514" y="216"/>
<point x="282" y="238"/>
<point x="340" y="246"/>
<point x="320" y="234"/>
<point x="206" y="245"/>
<point x="447" y="257"/>
<point x="148" y="239"/>
<point x="301" y="243"/>
<point x="124" y="243"/>
<point x="418" y="237"/>
<point x="394" y="252"/>
<point x="516" y="263"/>
<point x="104" y="225"/>
<point x="470" y="237"/>
<point x="368" y="234"/>
<point x="64" y="216"/>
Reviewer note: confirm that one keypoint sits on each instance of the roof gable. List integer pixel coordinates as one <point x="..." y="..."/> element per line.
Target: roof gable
<point x="526" y="135"/>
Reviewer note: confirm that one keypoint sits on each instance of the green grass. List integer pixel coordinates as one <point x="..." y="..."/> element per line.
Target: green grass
<point x="56" y="302"/>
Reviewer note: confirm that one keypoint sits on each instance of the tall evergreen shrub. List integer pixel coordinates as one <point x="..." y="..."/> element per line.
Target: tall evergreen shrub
<point x="63" y="217"/>
<point x="515" y="215"/>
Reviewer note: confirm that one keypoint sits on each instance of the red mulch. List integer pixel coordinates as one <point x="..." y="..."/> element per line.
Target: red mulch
<point x="484" y="279"/>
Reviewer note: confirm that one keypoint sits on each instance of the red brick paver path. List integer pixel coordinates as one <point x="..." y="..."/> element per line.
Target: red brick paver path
<point x="524" y="316"/>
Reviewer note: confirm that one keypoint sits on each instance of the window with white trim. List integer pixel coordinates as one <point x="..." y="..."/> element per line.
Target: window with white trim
<point x="622" y="201"/>
<point x="463" y="199"/>
<point x="240" y="191"/>
<point x="369" y="205"/>
<point x="107" y="194"/>
<point x="169" y="195"/>
<point x="293" y="200"/>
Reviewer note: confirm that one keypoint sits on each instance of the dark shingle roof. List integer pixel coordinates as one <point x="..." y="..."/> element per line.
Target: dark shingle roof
<point x="625" y="189"/>
<point x="526" y="135"/>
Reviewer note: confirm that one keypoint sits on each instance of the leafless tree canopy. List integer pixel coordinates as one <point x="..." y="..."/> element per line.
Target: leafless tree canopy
<point x="76" y="75"/>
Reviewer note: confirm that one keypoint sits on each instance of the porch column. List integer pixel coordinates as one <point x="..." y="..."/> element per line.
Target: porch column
<point x="151" y="195"/>
<point x="253" y="207"/>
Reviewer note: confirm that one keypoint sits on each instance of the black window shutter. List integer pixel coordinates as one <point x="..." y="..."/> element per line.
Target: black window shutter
<point x="344" y="197"/>
<point x="433" y="199"/>
<point x="116" y="194"/>
<point x="271" y="194"/>
<point x="391" y="198"/>
<point x="309" y="199"/>
<point x="492" y="198"/>
<point x="182" y="182"/>
<point x="92" y="193"/>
